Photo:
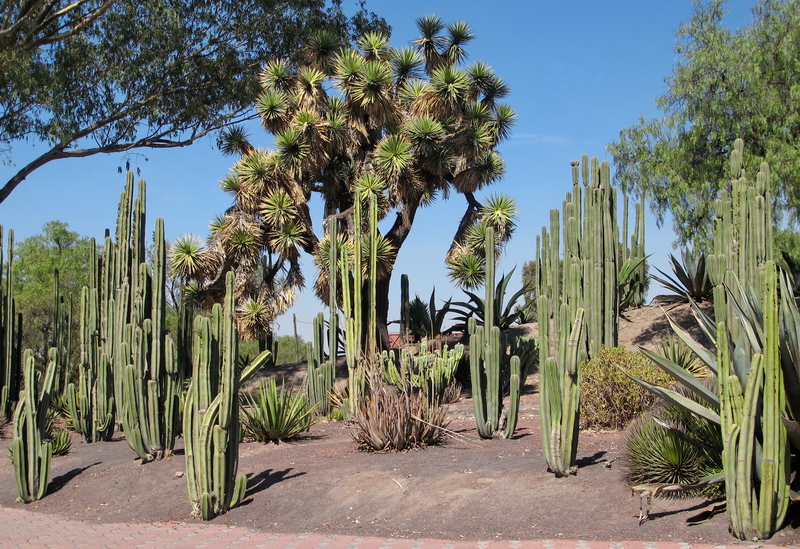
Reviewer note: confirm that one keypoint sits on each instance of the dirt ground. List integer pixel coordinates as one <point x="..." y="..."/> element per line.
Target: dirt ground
<point x="467" y="488"/>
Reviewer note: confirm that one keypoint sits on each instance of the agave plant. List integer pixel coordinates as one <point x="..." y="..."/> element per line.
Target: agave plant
<point x="505" y="314"/>
<point x="691" y="280"/>
<point x="273" y="415"/>
<point x="425" y="320"/>
<point x="392" y="419"/>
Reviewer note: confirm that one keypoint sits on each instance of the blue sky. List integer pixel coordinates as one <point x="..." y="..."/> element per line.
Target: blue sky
<point x="579" y="72"/>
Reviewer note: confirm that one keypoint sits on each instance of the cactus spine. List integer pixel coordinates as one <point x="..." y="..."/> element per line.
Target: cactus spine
<point x="488" y="358"/>
<point x="211" y="419"/>
<point x="30" y="454"/>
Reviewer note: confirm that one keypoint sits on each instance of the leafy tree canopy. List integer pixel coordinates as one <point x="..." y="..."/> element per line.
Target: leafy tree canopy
<point x="402" y="125"/>
<point x="725" y="85"/>
<point x="94" y="76"/>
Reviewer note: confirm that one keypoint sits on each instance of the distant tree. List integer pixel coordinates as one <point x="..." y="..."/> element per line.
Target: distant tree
<point x="36" y="258"/>
<point x="97" y="76"/>
<point x="403" y="125"/>
<point x="725" y="85"/>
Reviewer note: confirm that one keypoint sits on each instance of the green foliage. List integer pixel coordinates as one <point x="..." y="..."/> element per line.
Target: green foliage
<point x="426" y="320"/>
<point x="103" y="76"/>
<point x="37" y="258"/>
<point x="691" y="280"/>
<point x="391" y="419"/>
<point x="399" y="128"/>
<point x="431" y="372"/>
<point x="274" y="415"/>
<point x="669" y="445"/>
<point x="609" y="398"/>
<point x="505" y="313"/>
<point x="676" y="158"/>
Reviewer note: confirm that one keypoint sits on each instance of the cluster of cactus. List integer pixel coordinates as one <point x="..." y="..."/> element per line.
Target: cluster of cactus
<point x="91" y="405"/>
<point x="61" y="333"/>
<point x="752" y="399"/>
<point x="756" y="361"/>
<point x="10" y="331"/>
<point x="131" y="372"/>
<point x="579" y="292"/>
<point x="321" y="370"/>
<point x="742" y="234"/>
<point x="211" y="417"/>
<point x="30" y="452"/>
<point x="430" y="371"/>
<point x="489" y="359"/>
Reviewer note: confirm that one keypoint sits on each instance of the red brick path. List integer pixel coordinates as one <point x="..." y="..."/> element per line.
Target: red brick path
<point x="27" y="530"/>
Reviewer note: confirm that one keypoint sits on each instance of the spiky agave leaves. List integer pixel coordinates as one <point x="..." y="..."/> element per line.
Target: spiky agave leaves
<point x="466" y="259"/>
<point x="375" y="46"/>
<point x="407" y="64"/>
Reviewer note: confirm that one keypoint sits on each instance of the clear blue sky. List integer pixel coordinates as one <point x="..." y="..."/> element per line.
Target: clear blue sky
<point x="579" y="72"/>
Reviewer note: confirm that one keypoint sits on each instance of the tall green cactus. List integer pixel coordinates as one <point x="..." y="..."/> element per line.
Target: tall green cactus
<point x="755" y="454"/>
<point x="488" y="360"/>
<point x="578" y="292"/>
<point x="151" y="380"/>
<point x="321" y="371"/>
<point x="30" y="452"/>
<point x="211" y="417"/>
<point x="10" y="332"/>
<point x="560" y="396"/>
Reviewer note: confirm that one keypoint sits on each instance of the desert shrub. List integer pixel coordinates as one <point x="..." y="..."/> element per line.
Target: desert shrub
<point x="669" y="445"/>
<point x="272" y="415"/>
<point x="392" y="419"/>
<point x="609" y="398"/>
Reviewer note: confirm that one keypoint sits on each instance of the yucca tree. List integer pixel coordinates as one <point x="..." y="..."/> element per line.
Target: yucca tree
<point x="409" y="125"/>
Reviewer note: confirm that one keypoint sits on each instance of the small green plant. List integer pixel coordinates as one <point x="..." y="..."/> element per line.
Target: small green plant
<point x="669" y="445"/>
<point x="392" y="419"/>
<point x="272" y="415"/>
<point x="609" y="398"/>
<point x="61" y="442"/>
<point x="675" y="350"/>
<point x="691" y="280"/>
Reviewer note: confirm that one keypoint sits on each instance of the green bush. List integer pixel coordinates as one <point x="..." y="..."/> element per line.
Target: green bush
<point x="273" y="415"/>
<point x="609" y="398"/>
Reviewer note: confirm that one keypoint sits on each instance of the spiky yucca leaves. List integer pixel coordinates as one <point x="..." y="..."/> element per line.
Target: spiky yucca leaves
<point x="273" y="415"/>
<point x="413" y="118"/>
<point x="678" y="452"/>
<point x="505" y="313"/>
<point x="466" y="259"/>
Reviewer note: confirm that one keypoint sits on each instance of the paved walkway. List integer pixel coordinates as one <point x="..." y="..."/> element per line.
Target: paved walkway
<point x="27" y="530"/>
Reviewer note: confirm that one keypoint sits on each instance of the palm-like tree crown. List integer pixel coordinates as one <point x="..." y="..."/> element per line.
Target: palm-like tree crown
<point x="411" y="122"/>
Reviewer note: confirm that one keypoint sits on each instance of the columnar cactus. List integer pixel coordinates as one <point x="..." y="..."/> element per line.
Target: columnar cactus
<point x="579" y="293"/>
<point x="151" y="380"/>
<point x="30" y="452"/>
<point x="488" y="359"/>
<point x="756" y="468"/>
<point x="211" y="417"/>
<point x="10" y="332"/>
